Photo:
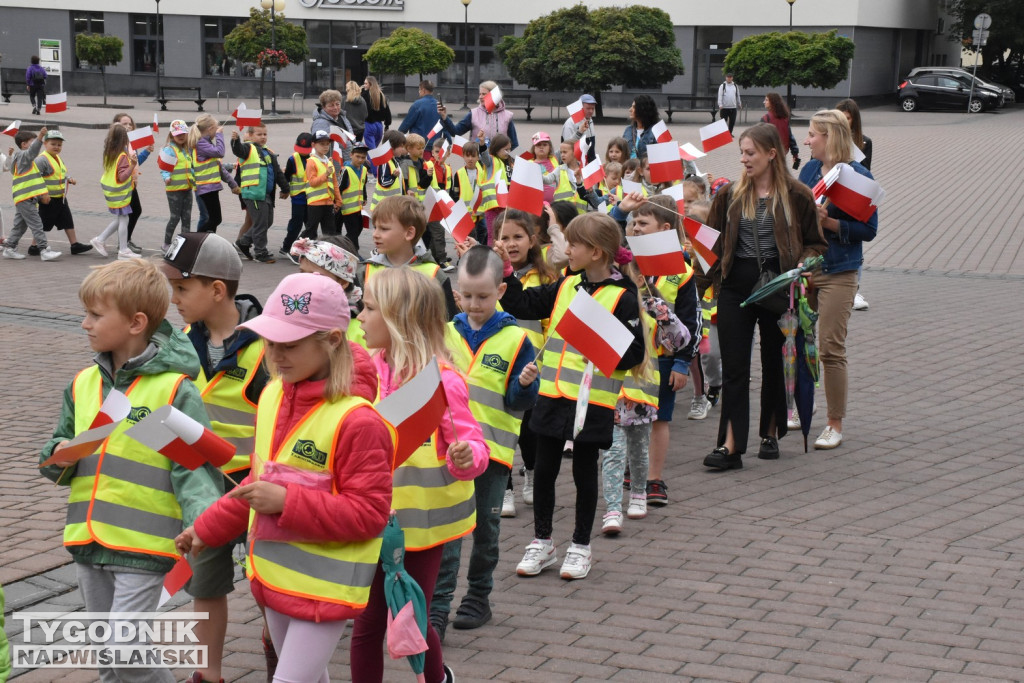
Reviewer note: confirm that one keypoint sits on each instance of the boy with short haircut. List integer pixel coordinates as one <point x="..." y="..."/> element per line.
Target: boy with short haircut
<point x="352" y="186"/>
<point x="28" y="189"/>
<point x="441" y="178"/>
<point x="323" y="197"/>
<point x="497" y="359"/>
<point x="260" y="173"/>
<point x="128" y="502"/>
<point x="467" y="187"/>
<point x="204" y="269"/>
<point x="390" y="180"/>
<point x="55" y="175"/>
<point x="414" y="168"/>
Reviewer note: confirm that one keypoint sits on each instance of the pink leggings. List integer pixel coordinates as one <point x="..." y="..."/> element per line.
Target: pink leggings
<point x="367" y="658"/>
<point x="303" y="647"/>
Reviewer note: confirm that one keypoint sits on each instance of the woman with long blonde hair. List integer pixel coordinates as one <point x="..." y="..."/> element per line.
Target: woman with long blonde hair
<point x="378" y="113"/>
<point x="355" y="108"/>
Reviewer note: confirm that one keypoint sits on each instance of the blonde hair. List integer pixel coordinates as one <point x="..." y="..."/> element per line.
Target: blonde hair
<point x="340" y="363"/>
<point x="135" y="286"/>
<point x="203" y="122"/>
<point x="699" y="210"/>
<point x="765" y="138"/>
<point x="377" y="98"/>
<point x="402" y="208"/>
<point x="833" y="125"/>
<point x="597" y="230"/>
<point x="412" y="306"/>
<point x="353" y="93"/>
<point x="415" y="141"/>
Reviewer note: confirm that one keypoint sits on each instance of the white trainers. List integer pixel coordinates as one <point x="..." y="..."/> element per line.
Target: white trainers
<point x="699" y="408"/>
<point x="508" y="505"/>
<point x="859" y="303"/>
<point x="11" y="254"/>
<point x="49" y="254"/>
<point x="637" y="506"/>
<point x="127" y="255"/>
<point x="828" y="440"/>
<point x="794" y="421"/>
<point x="99" y="246"/>
<point x="612" y="524"/>
<point x="528" y="487"/>
<point x="539" y="556"/>
<point x="577" y="562"/>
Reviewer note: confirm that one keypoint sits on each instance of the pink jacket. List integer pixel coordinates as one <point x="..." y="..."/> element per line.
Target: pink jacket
<point x="468" y="428"/>
<point x="358" y="511"/>
<point x="490" y="124"/>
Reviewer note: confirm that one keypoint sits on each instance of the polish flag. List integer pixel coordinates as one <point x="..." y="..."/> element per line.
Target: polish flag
<point x="415" y="410"/>
<point x="660" y="132"/>
<point x="182" y="439"/>
<point x="56" y="103"/>
<point x="853" y="193"/>
<point x="336" y="153"/>
<point x="12" y="129"/>
<point x="527" y="155"/>
<point x="593" y="173"/>
<point x="631" y="186"/>
<point x="526" y="192"/>
<point x="580" y="149"/>
<point x="594" y="332"/>
<point x="141" y="137"/>
<point x="247" y="117"/>
<point x="175" y="580"/>
<point x="501" y="192"/>
<point x="341" y="136"/>
<point x="457" y="142"/>
<point x="703" y="239"/>
<point x="690" y="153"/>
<point x="458" y="222"/>
<point x="715" y="135"/>
<point x="382" y="153"/>
<point x="576" y="111"/>
<point x="664" y="162"/>
<point x="492" y="100"/>
<point x="446" y="147"/>
<point x="113" y="410"/>
<point x="435" y="207"/>
<point x="366" y="219"/>
<point x="166" y="160"/>
<point x="156" y="122"/>
<point x="434" y="131"/>
<point x="676" y="193"/>
<point x="658" y="253"/>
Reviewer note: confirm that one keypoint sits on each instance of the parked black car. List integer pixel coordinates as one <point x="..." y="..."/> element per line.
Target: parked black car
<point x="1009" y="96"/>
<point x="940" y="91"/>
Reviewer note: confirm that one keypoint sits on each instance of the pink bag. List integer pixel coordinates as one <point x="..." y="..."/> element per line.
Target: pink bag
<point x="266" y="527"/>
<point x="404" y="637"/>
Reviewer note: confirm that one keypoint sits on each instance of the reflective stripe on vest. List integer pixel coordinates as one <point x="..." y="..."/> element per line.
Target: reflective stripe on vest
<point x="397" y="187"/>
<point x="338" y="572"/>
<point x="449" y="179"/>
<point x="645" y="389"/>
<point x="488" y="186"/>
<point x="297" y="184"/>
<point x="121" y="497"/>
<point x="325" y="190"/>
<point x="412" y="182"/>
<point x="55" y="181"/>
<point x="466" y="188"/>
<point x="488" y="373"/>
<point x="205" y="172"/>
<point x="565" y="191"/>
<point x="563" y="368"/>
<point x="352" y="196"/>
<point x="181" y="175"/>
<point x="535" y="329"/>
<point x="250" y="168"/>
<point x="27" y="185"/>
<point x="117" y="194"/>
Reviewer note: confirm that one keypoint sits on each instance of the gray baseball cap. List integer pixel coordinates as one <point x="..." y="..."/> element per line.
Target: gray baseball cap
<point x="201" y="253"/>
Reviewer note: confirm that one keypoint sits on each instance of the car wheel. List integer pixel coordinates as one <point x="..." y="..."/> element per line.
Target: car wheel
<point x="908" y="104"/>
<point x="975" y="106"/>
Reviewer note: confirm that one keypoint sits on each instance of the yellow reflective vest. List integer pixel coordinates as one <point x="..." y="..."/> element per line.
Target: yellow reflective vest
<point x="468" y="188"/>
<point x="489" y="186"/>
<point x="117" y="194"/>
<point x="325" y="190"/>
<point x="396" y="188"/>
<point x="352" y="195"/>
<point x="644" y="389"/>
<point x="27" y="185"/>
<point x="181" y="175"/>
<point x="206" y="172"/>
<point x="297" y="183"/>
<point x="55" y="181"/>
<point x="250" y="168"/>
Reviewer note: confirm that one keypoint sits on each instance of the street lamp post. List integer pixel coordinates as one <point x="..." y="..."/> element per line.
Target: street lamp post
<point x="158" y="40"/>
<point x="274" y="6"/>
<point x="465" y="56"/>
<point x="789" y="86"/>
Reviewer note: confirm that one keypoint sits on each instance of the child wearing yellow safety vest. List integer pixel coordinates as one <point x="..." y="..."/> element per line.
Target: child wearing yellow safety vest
<point x="319" y="493"/>
<point x="593" y="249"/>
<point x="498" y="161"/>
<point x="441" y="178"/>
<point x="116" y="183"/>
<point x="261" y="177"/>
<point x="127" y="502"/>
<point x="323" y="198"/>
<point x="28" y="190"/>
<point x="433" y="489"/>
<point x="295" y="177"/>
<point x="206" y="144"/>
<point x="473" y="187"/>
<point x="414" y="168"/>
<point x="57" y="213"/>
<point x="497" y="359"/>
<point x="568" y="179"/>
<point x="352" y="186"/>
<point x="389" y="176"/>
<point x="179" y="181"/>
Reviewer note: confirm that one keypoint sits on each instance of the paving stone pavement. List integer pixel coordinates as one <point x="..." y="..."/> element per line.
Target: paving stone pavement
<point x="896" y="557"/>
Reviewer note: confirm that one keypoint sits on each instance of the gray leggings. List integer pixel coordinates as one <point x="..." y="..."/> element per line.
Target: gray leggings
<point x="180" y="204"/>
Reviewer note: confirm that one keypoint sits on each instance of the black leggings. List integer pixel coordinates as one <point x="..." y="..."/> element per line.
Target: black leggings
<point x="527" y="445"/>
<point x="211" y="200"/>
<point x="584" y="475"/>
<point x="136" y="213"/>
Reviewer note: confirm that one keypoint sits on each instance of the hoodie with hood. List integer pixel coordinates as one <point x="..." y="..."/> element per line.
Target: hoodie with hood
<point x="359" y="508"/>
<point x="169" y="350"/>
<point x="421" y="255"/>
<point x="248" y="308"/>
<point x="517" y="397"/>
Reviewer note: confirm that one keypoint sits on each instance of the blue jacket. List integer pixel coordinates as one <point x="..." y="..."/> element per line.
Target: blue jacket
<point x="421" y="117"/>
<point x="638" y="147"/>
<point x="844" y="247"/>
<point x="517" y="397"/>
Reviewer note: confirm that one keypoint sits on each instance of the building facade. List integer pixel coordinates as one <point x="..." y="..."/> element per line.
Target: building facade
<point x="184" y="39"/>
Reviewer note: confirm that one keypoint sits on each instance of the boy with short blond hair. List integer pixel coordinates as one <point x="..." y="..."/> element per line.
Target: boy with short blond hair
<point x="120" y="528"/>
<point x="352" y="187"/>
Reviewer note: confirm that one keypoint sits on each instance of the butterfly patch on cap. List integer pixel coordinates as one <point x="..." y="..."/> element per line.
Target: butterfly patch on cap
<point x="298" y="304"/>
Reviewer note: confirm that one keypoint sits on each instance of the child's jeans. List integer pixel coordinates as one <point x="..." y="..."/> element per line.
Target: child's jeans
<point x="630" y="442"/>
<point x="295" y="225"/>
<point x="262" y="215"/>
<point x="26" y="217"/>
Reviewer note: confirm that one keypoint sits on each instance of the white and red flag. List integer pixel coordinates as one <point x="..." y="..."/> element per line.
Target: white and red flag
<point x="576" y="111"/>
<point x="457" y="142"/>
<point x="382" y="153"/>
<point x="445" y="148"/>
<point x="341" y="136"/>
<point x="366" y="218"/>
<point x="12" y="129"/>
<point x="594" y="332"/>
<point x="247" y="117"/>
<point x="526" y="192"/>
<point x="175" y="580"/>
<point x="492" y="99"/>
<point x="690" y="153"/>
<point x="156" y="122"/>
<point x="501" y="192"/>
<point x="458" y="222"/>
<point x="115" y="407"/>
<point x="580" y="149"/>
<point x="715" y="135"/>
<point x="182" y="439"/>
<point x="663" y="159"/>
<point x="166" y="160"/>
<point x="336" y="153"/>
<point x="415" y="410"/>
<point x="435" y="130"/>
<point x="660" y="132"/>
<point x="141" y="137"/>
<point x="56" y="103"/>
<point x="658" y="253"/>
<point x="676" y="193"/>
<point x="703" y="238"/>
<point x="527" y="155"/>
<point x="593" y="173"/>
<point x="851" y="192"/>
<point x="435" y="208"/>
<point x="631" y="186"/>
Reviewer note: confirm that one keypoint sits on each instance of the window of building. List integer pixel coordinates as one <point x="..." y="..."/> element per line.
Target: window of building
<point x="85" y="22"/>
<point x="216" y="62"/>
<point x="144" y="43"/>
<point x="478" y="45"/>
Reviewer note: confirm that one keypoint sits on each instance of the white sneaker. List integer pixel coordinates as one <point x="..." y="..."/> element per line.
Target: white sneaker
<point x="612" y="523"/>
<point x="508" y="505"/>
<point x="528" y="487"/>
<point x="127" y="255"/>
<point x="98" y="246"/>
<point x="860" y="303"/>
<point x="699" y="408"/>
<point x="828" y="440"/>
<point x="11" y="254"/>
<point x="539" y="556"/>
<point x="577" y="562"/>
<point x="637" y="506"/>
<point x="49" y="254"/>
<point x="794" y="421"/>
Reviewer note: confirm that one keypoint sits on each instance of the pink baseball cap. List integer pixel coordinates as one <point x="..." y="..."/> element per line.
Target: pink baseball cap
<point x="541" y="137"/>
<point x="301" y="304"/>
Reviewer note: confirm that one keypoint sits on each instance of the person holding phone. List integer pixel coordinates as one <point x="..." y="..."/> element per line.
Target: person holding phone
<point x="422" y="114"/>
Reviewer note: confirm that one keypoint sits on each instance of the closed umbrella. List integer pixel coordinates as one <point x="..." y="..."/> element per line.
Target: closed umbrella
<point x="806" y="363"/>
<point x="407" y="606"/>
<point x="784" y="280"/>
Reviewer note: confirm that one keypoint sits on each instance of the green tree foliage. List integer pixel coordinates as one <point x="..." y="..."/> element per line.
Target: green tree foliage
<point x="1004" y="53"/>
<point x="580" y="50"/>
<point x="101" y="51"/>
<point x="246" y="41"/>
<point x="812" y="60"/>
<point x="409" y="51"/>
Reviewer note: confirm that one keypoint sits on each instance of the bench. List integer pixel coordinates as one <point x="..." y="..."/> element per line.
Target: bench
<point x="520" y="102"/>
<point x="14" y="83"/>
<point x="164" y="99"/>
<point x="692" y="103"/>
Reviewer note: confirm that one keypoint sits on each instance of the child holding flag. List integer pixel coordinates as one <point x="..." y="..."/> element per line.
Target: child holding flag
<point x="206" y="143"/>
<point x="175" y="165"/>
<point x="404" y="317"/>
<point x="28" y="190"/>
<point x="57" y="213"/>
<point x="261" y="177"/>
<point x="390" y="181"/>
<point x="295" y="177"/>
<point x="120" y="530"/>
<point x="117" y="182"/>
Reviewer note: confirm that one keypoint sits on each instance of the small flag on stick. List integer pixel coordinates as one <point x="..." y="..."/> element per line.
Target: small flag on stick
<point x="175" y="580"/>
<point x="595" y="332"/>
<point x="715" y="135"/>
<point x="56" y="103"/>
<point x="658" y="253"/>
<point x="415" y="410"/>
<point x="177" y="436"/>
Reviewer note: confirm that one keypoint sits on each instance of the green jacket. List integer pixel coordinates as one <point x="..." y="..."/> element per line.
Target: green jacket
<point x="169" y="350"/>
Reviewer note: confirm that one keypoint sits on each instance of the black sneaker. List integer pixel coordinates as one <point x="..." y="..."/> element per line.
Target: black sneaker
<point x="769" y="448"/>
<point x="657" y="493"/>
<point x="472" y="613"/>
<point x="713" y="394"/>
<point x="720" y="459"/>
<point x="79" y="248"/>
<point x="243" y="250"/>
<point x="265" y="258"/>
<point x="33" y="250"/>
<point x="439" y="621"/>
